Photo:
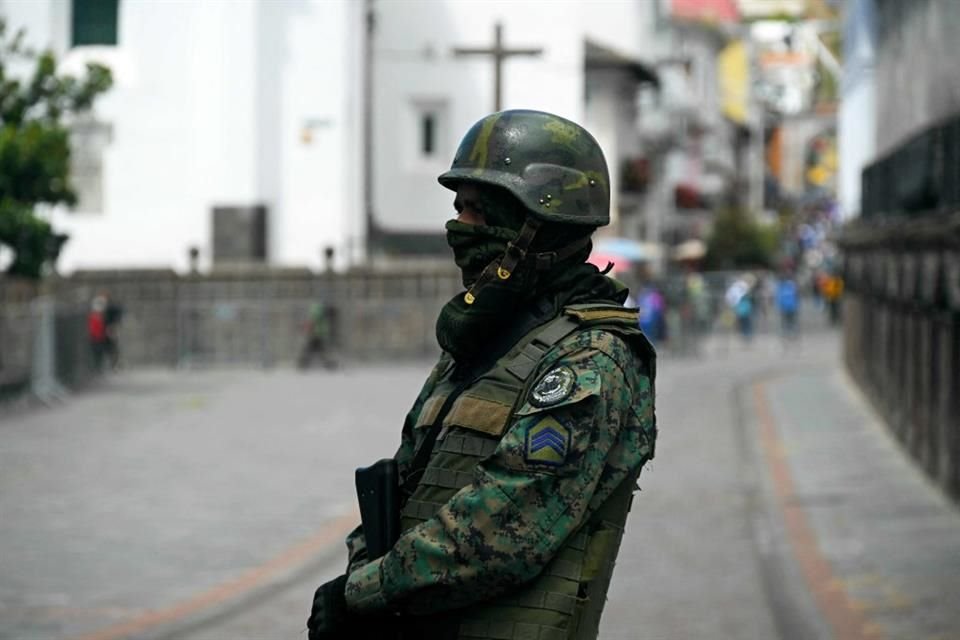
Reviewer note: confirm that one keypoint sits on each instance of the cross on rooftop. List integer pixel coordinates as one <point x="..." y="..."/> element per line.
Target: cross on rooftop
<point x="499" y="53"/>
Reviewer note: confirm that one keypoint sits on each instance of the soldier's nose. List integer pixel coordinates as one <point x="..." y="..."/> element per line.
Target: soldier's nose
<point x="470" y="216"/>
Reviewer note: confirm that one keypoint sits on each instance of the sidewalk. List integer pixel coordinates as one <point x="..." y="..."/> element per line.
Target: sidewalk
<point x="876" y="544"/>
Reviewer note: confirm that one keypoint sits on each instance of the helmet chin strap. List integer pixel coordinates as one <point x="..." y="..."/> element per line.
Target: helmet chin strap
<point x="517" y="252"/>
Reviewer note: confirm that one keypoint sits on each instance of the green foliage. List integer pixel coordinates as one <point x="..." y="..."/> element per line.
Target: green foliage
<point x="738" y="242"/>
<point x="35" y="109"/>
<point x="33" y="240"/>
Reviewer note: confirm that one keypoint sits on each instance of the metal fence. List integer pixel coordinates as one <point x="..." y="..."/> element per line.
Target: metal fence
<point x="919" y="177"/>
<point x="902" y="343"/>
<point x="908" y="362"/>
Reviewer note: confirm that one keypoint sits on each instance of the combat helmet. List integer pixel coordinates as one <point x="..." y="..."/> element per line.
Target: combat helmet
<point x="551" y="165"/>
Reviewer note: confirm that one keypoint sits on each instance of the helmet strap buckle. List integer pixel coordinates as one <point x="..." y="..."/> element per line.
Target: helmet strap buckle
<point x="517" y="249"/>
<point x="504" y="268"/>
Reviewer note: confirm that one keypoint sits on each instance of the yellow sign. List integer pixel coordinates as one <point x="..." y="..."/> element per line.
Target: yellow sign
<point x="733" y="65"/>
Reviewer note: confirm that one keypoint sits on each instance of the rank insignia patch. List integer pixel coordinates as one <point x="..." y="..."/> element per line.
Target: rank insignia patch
<point x="547" y="442"/>
<point x="555" y="386"/>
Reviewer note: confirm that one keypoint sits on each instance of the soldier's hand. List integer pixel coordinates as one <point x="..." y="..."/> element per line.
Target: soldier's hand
<point x="328" y="617"/>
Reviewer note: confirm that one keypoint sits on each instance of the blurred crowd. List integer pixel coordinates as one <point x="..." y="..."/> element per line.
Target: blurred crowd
<point x="677" y="312"/>
<point x="679" y="309"/>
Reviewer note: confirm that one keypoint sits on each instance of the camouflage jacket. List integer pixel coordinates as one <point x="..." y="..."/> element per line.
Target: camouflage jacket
<point x="566" y="445"/>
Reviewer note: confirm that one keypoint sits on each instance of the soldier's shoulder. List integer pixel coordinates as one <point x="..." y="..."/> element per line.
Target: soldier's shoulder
<point x="607" y="329"/>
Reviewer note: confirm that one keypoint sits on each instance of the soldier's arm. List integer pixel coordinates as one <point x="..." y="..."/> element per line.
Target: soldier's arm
<point x="525" y="500"/>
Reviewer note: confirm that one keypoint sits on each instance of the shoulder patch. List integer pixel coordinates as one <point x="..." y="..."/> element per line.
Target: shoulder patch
<point x="547" y="442"/>
<point x="553" y="387"/>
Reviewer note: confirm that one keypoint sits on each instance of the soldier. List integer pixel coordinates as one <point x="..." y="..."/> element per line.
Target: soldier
<point x="519" y="458"/>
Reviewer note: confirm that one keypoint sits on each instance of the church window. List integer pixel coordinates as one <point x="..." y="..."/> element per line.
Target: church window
<point x="428" y="132"/>
<point x="94" y="22"/>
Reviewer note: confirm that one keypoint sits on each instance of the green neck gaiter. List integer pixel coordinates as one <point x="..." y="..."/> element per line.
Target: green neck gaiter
<point x="475" y="246"/>
<point x="463" y="329"/>
<point x="469" y="331"/>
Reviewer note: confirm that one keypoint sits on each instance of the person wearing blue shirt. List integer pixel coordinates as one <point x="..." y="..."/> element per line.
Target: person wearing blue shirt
<point x="788" y="302"/>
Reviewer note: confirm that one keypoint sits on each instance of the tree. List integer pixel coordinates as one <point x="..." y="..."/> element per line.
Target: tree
<point x="738" y="241"/>
<point x="35" y="110"/>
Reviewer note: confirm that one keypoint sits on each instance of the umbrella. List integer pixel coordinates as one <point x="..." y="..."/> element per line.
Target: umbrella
<point x="622" y="248"/>
<point x="690" y="250"/>
<point x="603" y="259"/>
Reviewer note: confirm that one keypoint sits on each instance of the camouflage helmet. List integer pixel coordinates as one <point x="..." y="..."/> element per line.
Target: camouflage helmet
<point x="552" y="165"/>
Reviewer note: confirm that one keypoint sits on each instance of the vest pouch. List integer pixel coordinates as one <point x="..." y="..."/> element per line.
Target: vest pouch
<point x="544" y="608"/>
<point x="431" y="409"/>
<point x="484" y="408"/>
<point x="451" y="467"/>
<point x="445" y="475"/>
<point x="472" y="428"/>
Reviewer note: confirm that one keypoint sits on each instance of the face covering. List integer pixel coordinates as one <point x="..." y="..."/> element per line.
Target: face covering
<point x="464" y="330"/>
<point x="468" y="331"/>
<point x="475" y="246"/>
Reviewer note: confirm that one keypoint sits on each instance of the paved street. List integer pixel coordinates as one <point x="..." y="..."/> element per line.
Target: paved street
<point x="207" y="505"/>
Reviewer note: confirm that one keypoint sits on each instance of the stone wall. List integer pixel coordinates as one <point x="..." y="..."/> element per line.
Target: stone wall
<point x="251" y="317"/>
<point x="16" y="334"/>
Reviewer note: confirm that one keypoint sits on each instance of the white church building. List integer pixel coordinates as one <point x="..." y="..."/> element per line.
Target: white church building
<point x="239" y="128"/>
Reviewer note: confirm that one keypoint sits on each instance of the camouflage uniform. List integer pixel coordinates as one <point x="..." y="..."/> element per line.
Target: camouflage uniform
<point x="512" y="528"/>
<point x="526" y="482"/>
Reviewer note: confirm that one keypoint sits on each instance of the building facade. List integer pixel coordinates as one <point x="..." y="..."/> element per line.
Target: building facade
<point x="272" y="132"/>
<point x="857" y="115"/>
<point x="582" y="61"/>
<point x="249" y="108"/>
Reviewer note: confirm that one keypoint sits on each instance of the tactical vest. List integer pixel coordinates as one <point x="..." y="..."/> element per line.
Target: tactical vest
<point x="566" y="600"/>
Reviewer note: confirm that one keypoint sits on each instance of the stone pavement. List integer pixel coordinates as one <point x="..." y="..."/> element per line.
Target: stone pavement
<point x="890" y="536"/>
<point x="779" y="507"/>
<point x="163" y="495"/>
<point x="202" y="506"/>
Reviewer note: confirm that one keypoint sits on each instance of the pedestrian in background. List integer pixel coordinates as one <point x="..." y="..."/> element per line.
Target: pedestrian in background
<point x="518" y="461"/>
<point x="740" y="300"/>
<point x="97" y="330"/>
<point x="788" y="303"/>
<point x="696" y="310"/>
<point x="832" y="290"/>
<point x="317" y="334"/>
<point x="652" y="316"/>
<point x="112" y="316"/>
<point x="744" y="310"/>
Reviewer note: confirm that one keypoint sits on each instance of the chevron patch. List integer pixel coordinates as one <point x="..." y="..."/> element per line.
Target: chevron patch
<point x="547" y="442"/>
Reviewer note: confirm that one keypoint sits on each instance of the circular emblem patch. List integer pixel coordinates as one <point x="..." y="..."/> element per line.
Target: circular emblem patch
<point x="553" y="387"/>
